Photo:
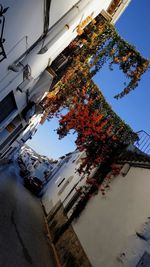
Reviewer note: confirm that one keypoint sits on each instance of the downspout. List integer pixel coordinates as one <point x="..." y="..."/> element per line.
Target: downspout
<point x="47" y="4"/>
<point x="58" y="31"/>
<point x="15" y="66"/>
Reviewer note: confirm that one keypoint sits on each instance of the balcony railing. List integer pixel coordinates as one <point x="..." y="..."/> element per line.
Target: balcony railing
<point x="114" y="6"/>
<point x="143" y="143"/>
<point x="2" y="40"/>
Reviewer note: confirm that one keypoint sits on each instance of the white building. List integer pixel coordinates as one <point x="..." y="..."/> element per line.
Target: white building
<point x="37" y="165"/>
<point x="33" y="34"/>
<point x="118" y="224"/>
<point x="63" y="181"/>
<point x="113" y="230"/>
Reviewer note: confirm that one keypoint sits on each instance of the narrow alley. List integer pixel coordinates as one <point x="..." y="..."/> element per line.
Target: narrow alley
<point x="22" y="231"/>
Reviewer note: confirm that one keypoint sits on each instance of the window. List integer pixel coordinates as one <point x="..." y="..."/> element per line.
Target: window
<point x="11" y="137"/>
<point x="65" y="185"/>
<point x="10" y="127"/>
<point x="7" y="106"/>
<point x="26" y="72"/>
<point x="72" y="201"/>
<point x="61" y="182"/>
<point x="59" y="63"/>
<point x="114" y="5"/>
<point x="6" y="152"/>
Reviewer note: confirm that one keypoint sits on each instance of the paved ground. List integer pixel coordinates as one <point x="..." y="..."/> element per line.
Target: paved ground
<point x="22" y="231"/>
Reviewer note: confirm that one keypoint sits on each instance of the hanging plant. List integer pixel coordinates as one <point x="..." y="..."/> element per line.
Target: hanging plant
<point x="99" y="130"/>
<point x="103" y="44"/>
<point x="101" y="134"/>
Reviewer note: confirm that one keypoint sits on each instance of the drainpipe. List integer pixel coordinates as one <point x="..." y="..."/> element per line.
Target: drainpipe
<point x="56" y="35"/>
<point x="47" y="4"/>
<point x="16" y="66"/>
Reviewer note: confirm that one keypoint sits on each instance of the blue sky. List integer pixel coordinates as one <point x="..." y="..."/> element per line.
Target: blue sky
<point x="134" y="109"/>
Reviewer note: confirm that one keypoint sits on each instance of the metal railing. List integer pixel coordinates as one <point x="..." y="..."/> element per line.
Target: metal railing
<point x="2" y="40"/>
<point x="143" y="143"/>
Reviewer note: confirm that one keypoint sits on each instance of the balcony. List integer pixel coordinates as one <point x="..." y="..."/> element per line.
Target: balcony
<point x="114" y="6"/>
<point x="143" y="144"/>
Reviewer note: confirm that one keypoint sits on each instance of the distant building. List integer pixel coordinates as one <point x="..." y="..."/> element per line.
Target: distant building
<point x="37" y="165"/>
<point x="33" y="34"/>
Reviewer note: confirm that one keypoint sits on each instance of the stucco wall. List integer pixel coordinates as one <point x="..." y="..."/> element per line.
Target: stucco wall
<point x="24" y="22"/>
<point x="53" y="193"/>
<point x="108" y="225"/>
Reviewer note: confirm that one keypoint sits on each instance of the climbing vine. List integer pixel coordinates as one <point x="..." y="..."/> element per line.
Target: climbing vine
<point x="101" y="43"/>
<point x="99" y="130"/>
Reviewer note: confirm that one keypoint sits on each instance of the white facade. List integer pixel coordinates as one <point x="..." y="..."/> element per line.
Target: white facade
<point x="33" y="36"/>
<point x="63" y="178"/>
<point x="107" y="227"/>
<point x="36" y="164"/>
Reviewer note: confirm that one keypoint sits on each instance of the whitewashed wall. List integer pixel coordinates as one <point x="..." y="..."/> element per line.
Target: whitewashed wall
<point x="24" y="23"/>
<point x="107" y="227"/>
<point x="68" y="171"/>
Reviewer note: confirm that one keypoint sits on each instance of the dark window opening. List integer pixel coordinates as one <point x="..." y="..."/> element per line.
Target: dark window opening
<point x="26" y="72"/>
<point x="72" y="202"/>
<point x="61" y="182"/>
<point x="7" y="106"/>
<point x="59" y="63"/>
<point x="29" y="111"/>
<point x="12" y="137"/>
<point x="7" y="151"/>
<point x="65" y="185"/>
